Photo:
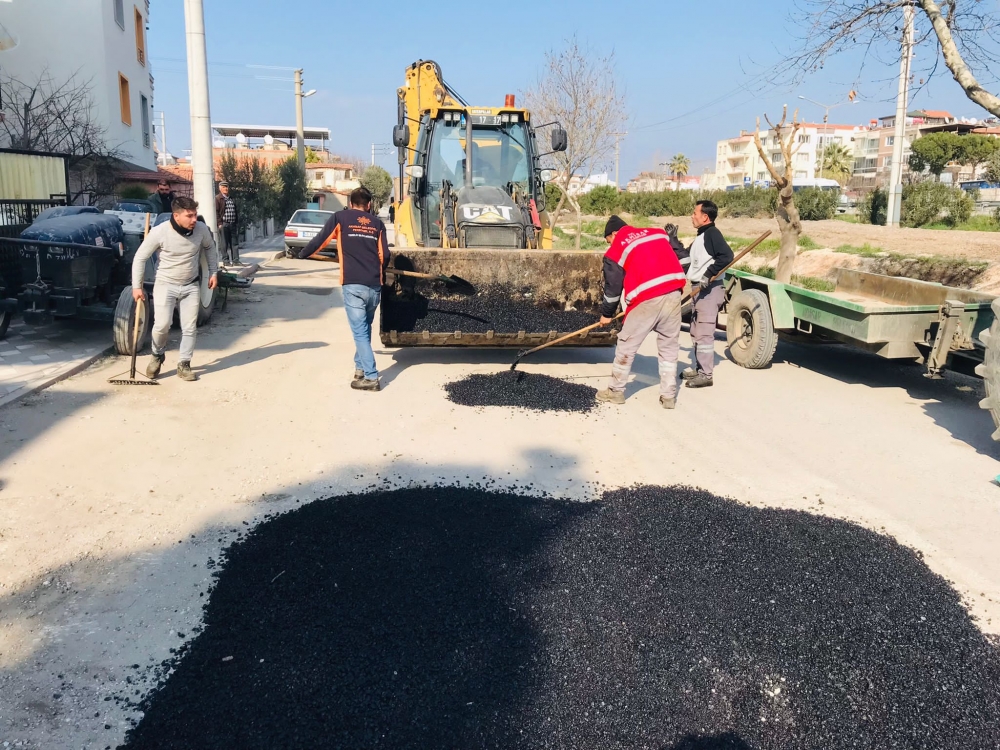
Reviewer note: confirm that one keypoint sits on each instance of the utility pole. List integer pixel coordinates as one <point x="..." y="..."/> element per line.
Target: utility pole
<point x="163" y="135"/>
<point x="201" y="122"/>
<point x="896" y="172"/>
<point x="618" y="137"/>
<point x="300" y="138"/>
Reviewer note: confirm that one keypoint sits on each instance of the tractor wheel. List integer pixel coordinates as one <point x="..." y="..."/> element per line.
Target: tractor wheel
<point x="206" y="295"/>
<point x="125" y="320"/>
<point x="989" y="370"/>
<point x="750" y="330"/>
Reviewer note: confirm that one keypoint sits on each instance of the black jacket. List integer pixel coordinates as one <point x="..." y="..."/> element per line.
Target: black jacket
<point x="361" y="246"/>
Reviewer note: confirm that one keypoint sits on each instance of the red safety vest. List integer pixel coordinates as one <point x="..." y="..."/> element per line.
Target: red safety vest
<point x="651" y="267"/>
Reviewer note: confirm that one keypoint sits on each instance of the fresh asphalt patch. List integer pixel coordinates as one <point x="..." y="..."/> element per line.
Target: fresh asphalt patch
<point x="519" y="389"/>
<point x="663" y="618"/>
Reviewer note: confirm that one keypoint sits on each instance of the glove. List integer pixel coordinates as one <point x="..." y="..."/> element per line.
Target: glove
<point x="671" y="230"/>
<point x="705" y="281"/>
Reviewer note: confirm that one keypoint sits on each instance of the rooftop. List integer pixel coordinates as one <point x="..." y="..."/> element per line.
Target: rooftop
<point x="275" y="131"/>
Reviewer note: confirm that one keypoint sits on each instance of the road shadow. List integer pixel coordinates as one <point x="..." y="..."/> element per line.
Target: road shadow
<point x="952" y="402"/>
<point x="256" y="354"/>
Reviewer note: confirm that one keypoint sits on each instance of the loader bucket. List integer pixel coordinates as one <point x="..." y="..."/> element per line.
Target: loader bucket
<point x="523" y="298"/>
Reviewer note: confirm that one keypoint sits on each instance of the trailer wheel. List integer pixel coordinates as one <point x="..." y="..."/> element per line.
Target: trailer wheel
<point x="125" y="319"/>
<point x="989" y="371"/>
<point x="206" y="296"/>
<point x="750" y="330"/>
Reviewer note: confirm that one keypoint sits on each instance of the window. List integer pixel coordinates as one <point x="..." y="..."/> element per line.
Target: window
<point x="776" y="157"/>
<point x="887" y="161"/>
<point x="889" y="140"/>
<point x="804" y="138"/>
<point x="125" y="99"/>
<point x="319" y="175"/>
<point x="120" y="13"/>
<point x="799" y="175"/>
<point x="140" y="37"/>
<point x="144" y="103"/>
<point x="803" y="158"/>
<point x="762" y="175"/>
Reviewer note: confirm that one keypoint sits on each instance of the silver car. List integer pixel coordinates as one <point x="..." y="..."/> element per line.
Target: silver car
<point x="302" y="227"/>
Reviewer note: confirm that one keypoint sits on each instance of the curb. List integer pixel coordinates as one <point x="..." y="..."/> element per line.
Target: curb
<point x="41" y="385"/>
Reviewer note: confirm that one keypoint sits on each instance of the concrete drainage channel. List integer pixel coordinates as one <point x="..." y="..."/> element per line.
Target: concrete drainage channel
<point x="657" y="617"/>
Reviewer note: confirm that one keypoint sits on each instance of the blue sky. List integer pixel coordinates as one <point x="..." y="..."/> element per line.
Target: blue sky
<point x="687" y="66"/>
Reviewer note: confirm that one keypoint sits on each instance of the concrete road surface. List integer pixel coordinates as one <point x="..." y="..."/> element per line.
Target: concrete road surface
<point x="114" y="500"/>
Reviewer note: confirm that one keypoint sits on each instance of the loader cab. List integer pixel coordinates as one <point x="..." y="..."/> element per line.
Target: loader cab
<point x="503" y="157"/>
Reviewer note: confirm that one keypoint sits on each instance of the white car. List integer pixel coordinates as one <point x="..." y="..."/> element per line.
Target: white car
<point x="302" y="227"/>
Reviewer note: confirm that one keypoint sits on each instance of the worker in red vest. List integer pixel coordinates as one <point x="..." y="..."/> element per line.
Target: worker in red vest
<point x="642" y="273"/>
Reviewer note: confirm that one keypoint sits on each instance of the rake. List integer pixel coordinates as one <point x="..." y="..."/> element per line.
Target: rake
<point x="132" y="379"/>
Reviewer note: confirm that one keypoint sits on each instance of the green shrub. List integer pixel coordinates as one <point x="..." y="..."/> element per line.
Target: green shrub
<point x="925" y="202"/>
<point x="996" y="216"/>
<point x="552" y="196"/>
<point x="134" y="191"/>
<point x="873" y="208"/>
<point x="751" y="202"/>
<point x="602" y="200"/>
<point x="815" y="204"/>
<point x="666" y="203"/>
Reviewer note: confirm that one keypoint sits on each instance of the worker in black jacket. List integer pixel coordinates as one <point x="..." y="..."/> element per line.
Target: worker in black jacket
<point x="710" y="253"/>
<point x="364" y="255"/>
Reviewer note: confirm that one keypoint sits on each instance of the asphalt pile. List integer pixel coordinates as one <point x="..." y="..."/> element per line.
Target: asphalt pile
<point x="522" y="389"/>
<point x="492" y="308"/>
<point x="662" y="618"/>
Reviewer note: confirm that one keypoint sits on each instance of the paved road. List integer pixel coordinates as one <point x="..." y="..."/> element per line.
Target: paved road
<point x="113" y="501"/>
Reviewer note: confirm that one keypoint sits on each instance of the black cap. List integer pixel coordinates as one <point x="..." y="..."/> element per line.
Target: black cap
<point x="614" y="224"/>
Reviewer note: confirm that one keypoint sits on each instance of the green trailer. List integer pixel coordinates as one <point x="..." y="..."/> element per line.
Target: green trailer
<point x="941" y="327"/>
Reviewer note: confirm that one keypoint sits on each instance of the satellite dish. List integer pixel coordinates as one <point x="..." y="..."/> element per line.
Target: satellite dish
<point x="268" y="139"/>
<point x="240" y="138"/>
<point x="218" y="144"/>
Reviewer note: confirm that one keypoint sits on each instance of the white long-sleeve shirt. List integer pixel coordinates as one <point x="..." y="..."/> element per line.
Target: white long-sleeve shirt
<point x="180" y="254"/>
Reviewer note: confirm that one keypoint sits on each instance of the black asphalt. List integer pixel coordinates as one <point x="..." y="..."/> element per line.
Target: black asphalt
<point x="662" y="618"/>
<point x="522" y="389"/>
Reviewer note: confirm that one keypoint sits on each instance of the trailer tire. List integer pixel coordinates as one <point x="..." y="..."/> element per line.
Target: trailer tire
<point x="125" y="319"/>
<point x="750" y="333"/>
<point x="206" y="296"/>
<point x="989" y="370"/>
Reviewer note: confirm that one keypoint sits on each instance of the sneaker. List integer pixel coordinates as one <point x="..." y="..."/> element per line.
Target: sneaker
<point x="359" y="374"/>
<point x="364" y="384"/>
<point x="689" y="373"/>
<point x="612" y="397"/>
<point x="153" y="368"/>
<point x="701" y="380"/>
<point x="184" y="371"/>
<point x="668" y="403"/>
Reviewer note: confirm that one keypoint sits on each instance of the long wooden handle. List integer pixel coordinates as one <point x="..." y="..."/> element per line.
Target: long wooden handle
<point x="414" y="274"/>
<point x="684" y="299"/>
<point x="135" y="337"/>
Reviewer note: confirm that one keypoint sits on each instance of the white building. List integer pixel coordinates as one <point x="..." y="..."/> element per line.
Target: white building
<point x="738" y="164"/>
<point x="101" y="43"/>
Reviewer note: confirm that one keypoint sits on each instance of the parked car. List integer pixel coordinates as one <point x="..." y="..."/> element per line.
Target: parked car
<point x="302" y="227"/>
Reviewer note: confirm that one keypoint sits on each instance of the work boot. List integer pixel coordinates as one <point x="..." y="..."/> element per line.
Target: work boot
<point x="184" y="371"/>
<point x="366" y="385"/>
<point x="668" y="403"/>
<point x="359" y="374"/>
<point x="612" y="397"/>
<point x="701" y="380"/>
<point x="689" y="373"/>
<point x="153" y="368"/>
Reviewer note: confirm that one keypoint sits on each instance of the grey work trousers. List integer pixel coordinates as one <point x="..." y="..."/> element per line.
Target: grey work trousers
<point x="166" y="297"/>
<point x="704" y="318"/>
<point x="663" y="315"/>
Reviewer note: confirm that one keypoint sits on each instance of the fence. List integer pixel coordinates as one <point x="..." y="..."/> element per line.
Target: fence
<point x="17" y="214"/>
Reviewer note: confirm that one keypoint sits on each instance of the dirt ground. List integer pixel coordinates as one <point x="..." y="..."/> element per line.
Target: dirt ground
<point x="833" y="233"/>
<point x="116" y="501"/>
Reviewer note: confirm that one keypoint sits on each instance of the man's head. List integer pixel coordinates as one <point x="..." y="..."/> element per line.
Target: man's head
<point x="705" y="213"/>
<point x="611" y="228"/>
<point x="361" y="199"/>
<point x="163" y="187"/>
<point x="224" y="188"/>
<point x="185" y="212"/>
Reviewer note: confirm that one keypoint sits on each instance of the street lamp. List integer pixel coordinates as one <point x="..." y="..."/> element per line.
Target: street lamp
<point x="851" y="99"/>
<point x="300" y="138"/>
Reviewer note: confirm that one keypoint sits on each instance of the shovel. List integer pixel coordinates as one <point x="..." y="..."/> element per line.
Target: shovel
<point x="454" y="282"/>
<point x="132" y="379"/>
<point x="592" y="326"/>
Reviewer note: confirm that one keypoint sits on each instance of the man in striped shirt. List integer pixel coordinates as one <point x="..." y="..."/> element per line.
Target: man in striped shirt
<point x="642" y="273"/>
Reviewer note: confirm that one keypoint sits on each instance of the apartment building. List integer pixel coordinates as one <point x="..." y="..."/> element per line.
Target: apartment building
<point x="738" y="163"/>
<point x="98" y="43"/>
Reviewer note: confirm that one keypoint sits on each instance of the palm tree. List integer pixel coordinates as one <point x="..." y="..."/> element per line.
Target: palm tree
<point x="679" y="165"/>
<point x="837" y="163"/>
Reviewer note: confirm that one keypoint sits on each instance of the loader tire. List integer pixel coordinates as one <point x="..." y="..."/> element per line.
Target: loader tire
<point x="989" y="370"/>
<point x="750" y="330"/>
<point x="125" y="319"/>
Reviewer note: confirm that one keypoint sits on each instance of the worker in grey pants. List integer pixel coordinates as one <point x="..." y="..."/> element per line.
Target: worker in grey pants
<point x="663" y="315"/>
<point x="181" y="243"/>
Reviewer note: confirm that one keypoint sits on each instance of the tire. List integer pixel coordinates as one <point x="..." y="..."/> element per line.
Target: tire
<point x="750" y="330"/>
<point x="206" y="296"/>
<point x="5" y="317"/>
<point x="125" y="319"/>
<point x="989" y="370"/>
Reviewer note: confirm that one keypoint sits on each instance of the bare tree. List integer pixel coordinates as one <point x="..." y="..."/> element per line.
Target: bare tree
<point x="967" y="32"/>
<point x="786" y="213"/>
<point x="45" y="115"/>
<point x="579" y="89"/>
